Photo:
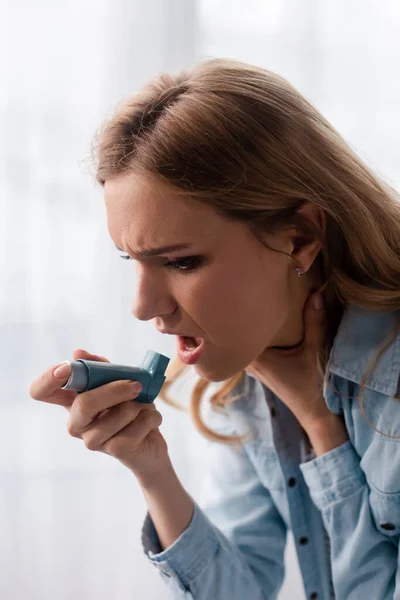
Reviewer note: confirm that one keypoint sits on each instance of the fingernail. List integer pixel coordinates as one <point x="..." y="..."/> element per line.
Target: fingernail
<point x="136" y="386"/>
<point x="63" y="370"/>
<point x="318" y="302"/>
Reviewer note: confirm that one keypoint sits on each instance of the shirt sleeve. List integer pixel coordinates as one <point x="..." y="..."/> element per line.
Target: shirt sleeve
<point x="234" y="545"/>
<point x="364" y="559"/>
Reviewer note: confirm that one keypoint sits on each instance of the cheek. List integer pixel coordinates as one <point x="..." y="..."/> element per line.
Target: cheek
<point x="229" y="302"/>
<point x="254" y="303"/>
<point x="213" y="299"/>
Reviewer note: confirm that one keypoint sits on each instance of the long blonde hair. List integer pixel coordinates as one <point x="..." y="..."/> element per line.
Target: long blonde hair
<point x="244" y="141"/>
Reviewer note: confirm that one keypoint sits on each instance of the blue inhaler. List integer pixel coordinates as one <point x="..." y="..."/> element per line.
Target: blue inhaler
<point x="90" y="374"/>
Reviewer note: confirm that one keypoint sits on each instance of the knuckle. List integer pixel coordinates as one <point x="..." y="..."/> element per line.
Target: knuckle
<point x="158" y="418"/>
<point x="152" y="418"/>
<point x="115" y="446"/>
<point x="144" y="417"/>
<point x="80" y="405"/>
<point x="91" y="442"/>
<point x="130" y="410"/>
<point x="72" y="429"/>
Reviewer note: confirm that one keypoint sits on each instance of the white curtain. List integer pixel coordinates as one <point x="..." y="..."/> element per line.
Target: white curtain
<point x="70" y="519"/>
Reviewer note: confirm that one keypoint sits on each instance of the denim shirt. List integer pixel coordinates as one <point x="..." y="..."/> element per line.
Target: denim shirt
<point x="343" y="507"/>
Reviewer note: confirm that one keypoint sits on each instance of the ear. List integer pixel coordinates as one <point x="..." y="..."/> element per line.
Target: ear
<point x="304" y="251"/>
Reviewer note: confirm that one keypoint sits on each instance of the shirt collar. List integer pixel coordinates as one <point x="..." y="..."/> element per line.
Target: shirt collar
<point x="357" y="341"/>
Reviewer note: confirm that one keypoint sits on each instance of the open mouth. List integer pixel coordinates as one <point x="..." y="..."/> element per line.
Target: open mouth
<point x="190" y="349"/>
<point x="191" y="342"/>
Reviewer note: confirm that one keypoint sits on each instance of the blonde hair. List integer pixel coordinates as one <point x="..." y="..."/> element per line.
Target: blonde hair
<point x="244" y="141"/>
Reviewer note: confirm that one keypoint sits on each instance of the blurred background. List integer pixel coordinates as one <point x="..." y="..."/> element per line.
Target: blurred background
<point x="70" y="519"/>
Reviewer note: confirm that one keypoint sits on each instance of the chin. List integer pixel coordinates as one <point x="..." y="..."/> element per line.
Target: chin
<point x="210" y="375"/>
<point x="217" y="373"/>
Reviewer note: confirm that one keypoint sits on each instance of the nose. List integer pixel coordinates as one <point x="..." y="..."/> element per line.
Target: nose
<point x="152" y="298"/>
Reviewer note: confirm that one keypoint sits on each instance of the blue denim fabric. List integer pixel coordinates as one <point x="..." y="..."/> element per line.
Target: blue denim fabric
<point x="343" y="507"/>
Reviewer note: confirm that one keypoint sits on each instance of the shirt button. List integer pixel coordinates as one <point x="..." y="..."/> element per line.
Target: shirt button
<point x="313" y="595"/>
<point x="291" y="482"/>
<point x="303" y="540"/>
<point x="388" y="526"/>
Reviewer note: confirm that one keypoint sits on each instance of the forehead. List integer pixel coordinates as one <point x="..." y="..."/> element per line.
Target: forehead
<point x="143" y="211"/>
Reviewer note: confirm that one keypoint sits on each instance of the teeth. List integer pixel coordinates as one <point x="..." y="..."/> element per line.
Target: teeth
<point x="190" y="343"/>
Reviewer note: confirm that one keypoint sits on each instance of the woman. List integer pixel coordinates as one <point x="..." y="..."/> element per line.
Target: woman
<point x="274" y="213"/>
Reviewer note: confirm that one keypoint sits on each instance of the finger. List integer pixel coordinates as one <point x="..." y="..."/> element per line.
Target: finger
<point x="79" y="353"/>
<point x="110" y="423"/>
<point x="317" y="302"/>
<point x="314" y="318"/>
<point x="131" y="437"/>
<point x="46" y="385"/>
<point x="47" y="388"/>
<point x="89" y="405"/>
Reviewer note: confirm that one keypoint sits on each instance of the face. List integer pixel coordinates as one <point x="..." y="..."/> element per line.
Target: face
<point x="225" y="287"/>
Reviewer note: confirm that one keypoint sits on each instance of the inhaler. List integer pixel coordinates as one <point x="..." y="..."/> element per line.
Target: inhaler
<point x="90" y="374"/>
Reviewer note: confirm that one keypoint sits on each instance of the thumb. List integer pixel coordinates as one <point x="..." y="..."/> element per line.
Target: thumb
<point x="79" y="353"/>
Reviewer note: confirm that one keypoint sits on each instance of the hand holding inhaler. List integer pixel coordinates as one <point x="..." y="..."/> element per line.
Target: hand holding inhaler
<point x="107" y="411"/>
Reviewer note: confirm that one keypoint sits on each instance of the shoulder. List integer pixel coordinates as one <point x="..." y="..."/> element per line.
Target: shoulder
<point x="360" y="335"/>
<point x="371" y="412"/>
<point x="370" y="407"/>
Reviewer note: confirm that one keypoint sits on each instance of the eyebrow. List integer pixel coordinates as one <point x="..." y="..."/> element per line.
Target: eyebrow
<point x="161" y="250"/>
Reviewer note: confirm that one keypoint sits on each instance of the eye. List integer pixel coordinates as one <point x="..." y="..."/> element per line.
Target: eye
<point x="188" y="263"/>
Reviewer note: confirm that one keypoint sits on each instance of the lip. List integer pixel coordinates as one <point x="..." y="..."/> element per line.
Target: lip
<point x="189" y="357"/>
<point x="177" y="333"/>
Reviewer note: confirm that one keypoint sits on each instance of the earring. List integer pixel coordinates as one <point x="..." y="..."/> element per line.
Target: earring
<point x="299" y="273"/>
